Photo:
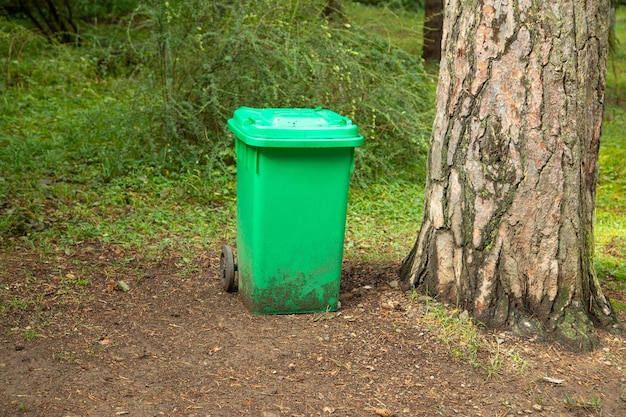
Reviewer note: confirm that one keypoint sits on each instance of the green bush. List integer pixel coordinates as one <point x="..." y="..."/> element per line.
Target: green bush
<point x="99" y="9"/>
<point x="208" y="58"/>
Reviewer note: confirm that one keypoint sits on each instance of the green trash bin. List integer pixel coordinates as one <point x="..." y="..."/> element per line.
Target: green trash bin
<point x="293" y="174"/>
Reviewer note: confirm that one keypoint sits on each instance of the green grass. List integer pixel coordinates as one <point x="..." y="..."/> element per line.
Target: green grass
<point x="383" y="220"/>
<point x="611" y="198"/>
<point x="591" y="405"/>
<point x="398" y="27"/>
<point x="465" y="341"/>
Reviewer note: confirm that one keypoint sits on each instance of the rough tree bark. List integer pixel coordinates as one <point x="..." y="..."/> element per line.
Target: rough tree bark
<point x="433" y="30"/>
<point x="508" y="223"/>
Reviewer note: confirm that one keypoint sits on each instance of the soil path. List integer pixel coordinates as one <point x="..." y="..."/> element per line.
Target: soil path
<point x="175" y="345"/>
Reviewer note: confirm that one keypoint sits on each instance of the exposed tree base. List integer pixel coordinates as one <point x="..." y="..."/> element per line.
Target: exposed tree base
<point x="573" y="330"/>
<point x="574" y="327"/>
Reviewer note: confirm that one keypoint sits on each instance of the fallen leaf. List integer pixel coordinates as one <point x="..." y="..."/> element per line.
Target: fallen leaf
<point x="553" y="380"/>
<point x="328" y="410"/>
<point x="388" y="306"/>
<point x="110" y="286"/>
<point x="383" y="412"/>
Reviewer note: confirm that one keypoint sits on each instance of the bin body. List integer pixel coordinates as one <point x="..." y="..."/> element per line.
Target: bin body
<point x="293" y="174"/>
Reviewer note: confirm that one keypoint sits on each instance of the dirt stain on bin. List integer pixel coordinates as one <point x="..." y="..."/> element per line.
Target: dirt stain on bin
<point x="293" y="293"/>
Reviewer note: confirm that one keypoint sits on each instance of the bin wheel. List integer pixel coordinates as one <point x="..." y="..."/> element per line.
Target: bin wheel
<point x="227" y="269"/>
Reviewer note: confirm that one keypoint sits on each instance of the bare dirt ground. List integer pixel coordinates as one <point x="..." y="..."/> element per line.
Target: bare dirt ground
<point x="176" y="345"/>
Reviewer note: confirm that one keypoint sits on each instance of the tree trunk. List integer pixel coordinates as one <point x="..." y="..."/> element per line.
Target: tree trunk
<point x="433" y="30"/>
<point x="52" y="21"/>
<point x="508" y="222"/>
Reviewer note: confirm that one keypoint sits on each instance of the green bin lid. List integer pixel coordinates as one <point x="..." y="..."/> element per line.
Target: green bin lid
<point x="294" y="128"/>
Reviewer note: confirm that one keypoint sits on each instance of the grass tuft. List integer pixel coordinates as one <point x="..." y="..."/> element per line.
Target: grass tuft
<point x="468" y="343"/>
